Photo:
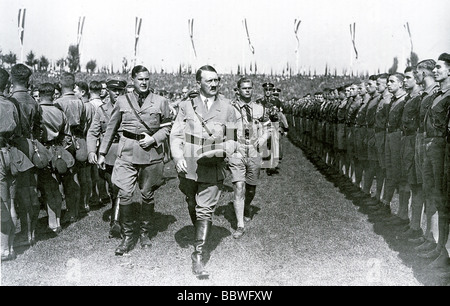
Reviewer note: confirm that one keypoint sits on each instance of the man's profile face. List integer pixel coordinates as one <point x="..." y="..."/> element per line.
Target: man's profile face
<point x="141" y="82"/>
<point x="36" y="95"/>
<point x="441" y="71"/>
<point x="209" y="84"/>
<point x="78" y="92"/>
<point x="114" y="93"/>
<point x="381" y="85"/>
<point x="394" y="84"/>
<point x="371" y="86"/>
<point x="103" y="91"/>
<point x="353" y="91"/>
<point x="245" y="90"/>
<point x="410" y="80"/>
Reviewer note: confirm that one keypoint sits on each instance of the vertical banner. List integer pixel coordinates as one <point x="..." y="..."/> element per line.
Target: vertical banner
<point x="80" y="29"/>
<point x="191" y="34"/>
<point x="21" y="28"/>
<point x="252" y="49"/>
<point x="409" y="35"/>
<point x="352" y="36"/>
<point x="297" y="53"/>
<point x="137" y="32"/>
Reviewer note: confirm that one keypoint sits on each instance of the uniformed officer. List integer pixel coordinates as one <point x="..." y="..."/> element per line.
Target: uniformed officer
<point x="143" y="119"/>
<point x="245" y="163"/>
<point x="9" y="129"/>
<point x="200" y="124"/>
<point x="94" y="137"/>
<point x="430" y="87"/>
<point x="394" y="180"/>
<point x="435" y="132"/>
<point x="373" y="166"/>
<point x="272" y="154"/>
<point x="409" y="128"/>
<point x="55" y="133"/>
<point x="381" y="115"/>
<point x="28" y="205"/>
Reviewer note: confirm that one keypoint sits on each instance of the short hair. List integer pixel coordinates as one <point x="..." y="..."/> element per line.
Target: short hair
<point x="67" y="80"/>
<point x="83" y="86"/>
<point x="4" y="78"/>
<point x="399" y="76"/>
<point x="138" y="69"/>
<point x="95" y="86"/>
<point x="445" y="57"/>
<point x="427" y="64"/>
<point x="21" y="74"/>
<point x="410" y="69"/>
<point x="46" y="90"/>
<point x="198" y="74"/>
<point x="373" y="77"/>
<point x="383" y="76"/>
<point x="243" y="80"/>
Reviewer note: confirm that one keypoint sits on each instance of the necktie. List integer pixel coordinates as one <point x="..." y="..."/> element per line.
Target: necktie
<point x="206" y="104"/>
<point x="248" y="113"/>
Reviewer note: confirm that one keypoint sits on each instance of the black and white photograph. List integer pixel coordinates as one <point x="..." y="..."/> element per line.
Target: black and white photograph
<point x="225" y="148"/>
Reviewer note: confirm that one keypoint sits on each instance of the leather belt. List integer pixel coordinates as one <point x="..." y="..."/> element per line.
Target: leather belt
<point x="133" y="135"/>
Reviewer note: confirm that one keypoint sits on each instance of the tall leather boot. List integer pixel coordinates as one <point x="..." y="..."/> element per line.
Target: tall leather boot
<point x="202" y="228"/>
<point x="146" y="216"/>
<point x="115" y="230"/>
<point x="191" y="208"/>
<point x="128" y="216"/>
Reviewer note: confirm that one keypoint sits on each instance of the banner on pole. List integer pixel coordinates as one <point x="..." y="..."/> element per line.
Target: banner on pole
<point x="80" y="29"/>
<point x="21" y="24"/>
<point x="191" y="34"/>
<point x="352" y="35"/>
<point x="137" y="32"/>
<point x="409" y="34"/>
<point x="252" y="49"/>
<point x="296" y="26"/>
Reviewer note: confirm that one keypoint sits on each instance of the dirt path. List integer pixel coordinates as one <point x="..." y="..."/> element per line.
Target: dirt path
<point x="305" y="232"/>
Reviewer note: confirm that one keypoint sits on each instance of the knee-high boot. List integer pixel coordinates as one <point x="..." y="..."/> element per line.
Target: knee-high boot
<point x="128" y="216"/>
<point x="202" y="229"/>
<point x="146" y="216"/>
<point x="191" y="208"/>
<point x="115" y="229"/>
<point x="442" y="259"/>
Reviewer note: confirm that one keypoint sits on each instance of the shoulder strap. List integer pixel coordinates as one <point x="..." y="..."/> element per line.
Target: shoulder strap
<point x="136" y="114"/>
<point x="201" y="119"/>
<point x="104" y="112"/>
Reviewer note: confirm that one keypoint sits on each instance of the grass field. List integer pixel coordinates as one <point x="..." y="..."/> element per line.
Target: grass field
<point x="306" y="232"/>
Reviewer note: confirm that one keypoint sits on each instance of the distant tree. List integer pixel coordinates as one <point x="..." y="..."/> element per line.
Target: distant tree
<point x="61" y="63"/>
<point x="413" y="59"/>
<point x="43" y="63"/>
<point x="238" y="70"/>
<point x="31" y="61"/>
<point x="394" y="67"/>
<point x="91" y="65"/>
<point x="256" y="68"/>
<point x="10" y="58"/>
<point x="74" y="58"/>
<point x="125" y="65"/>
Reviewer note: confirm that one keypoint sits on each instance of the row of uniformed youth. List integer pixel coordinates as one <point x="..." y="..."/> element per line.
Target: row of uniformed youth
<point x="388" y="133"/>
<point x="58" y="146"/>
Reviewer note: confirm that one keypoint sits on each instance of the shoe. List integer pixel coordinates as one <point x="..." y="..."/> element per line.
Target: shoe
<point x="411" y="233"/>
<point x="426" y="246"/>
<point x="238" y="233"/>
<point x="433" y="254"/>
<point x="442" y="261"/>
<point x="418" y="240"/>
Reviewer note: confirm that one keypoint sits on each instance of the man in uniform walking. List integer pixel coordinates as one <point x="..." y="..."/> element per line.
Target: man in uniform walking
<point x="245" y="163"/>
<point x="95" y="136"/>
<point x="143" y="119"/>
<point x="201" y="122"/>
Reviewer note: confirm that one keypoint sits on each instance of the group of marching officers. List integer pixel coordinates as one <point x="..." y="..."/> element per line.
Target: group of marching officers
<point x="390" y="132"/>
<point x="74" y="142"/>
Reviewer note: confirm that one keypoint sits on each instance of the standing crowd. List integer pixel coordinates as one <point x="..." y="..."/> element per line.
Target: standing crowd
<point x="107" y="142"/>
<point x="390" y="132"/>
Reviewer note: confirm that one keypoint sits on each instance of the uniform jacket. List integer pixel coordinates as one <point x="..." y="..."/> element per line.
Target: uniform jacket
<point x="75" y="111"/>
<point x="97" y="130"/>
<point x="54" y="125"/>
<point x="29" y="113"/>
<point x="154" y="111"/>
<point x="220" y="116"/>
<point x="258" y="129"/>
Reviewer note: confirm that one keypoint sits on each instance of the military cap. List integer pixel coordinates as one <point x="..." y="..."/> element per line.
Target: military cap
<point x="268" y="85"/>
<point x="116" y="83"/>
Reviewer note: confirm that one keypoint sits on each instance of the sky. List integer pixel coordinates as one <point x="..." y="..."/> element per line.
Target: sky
<point x="219" y="35"/>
